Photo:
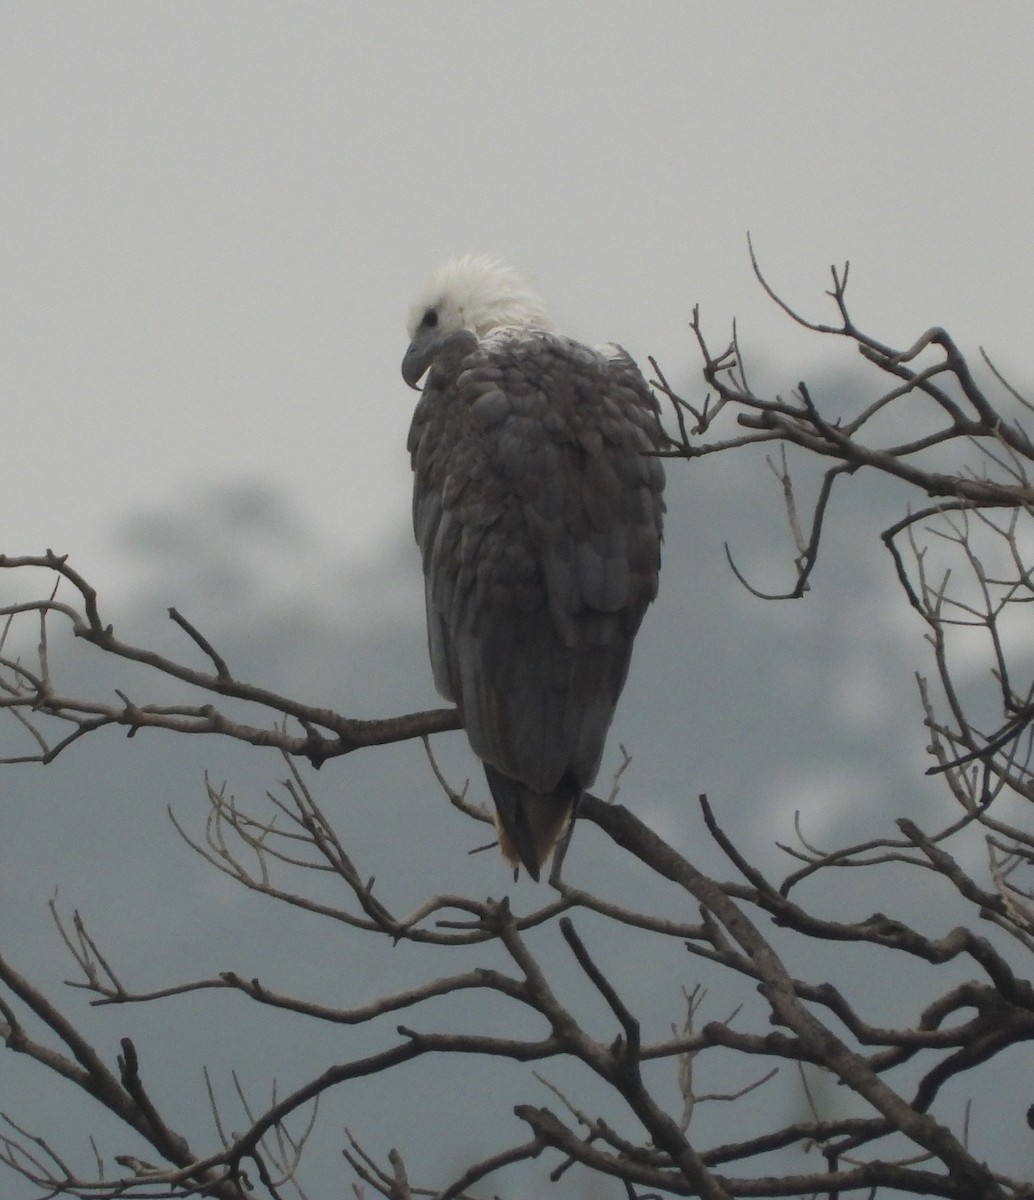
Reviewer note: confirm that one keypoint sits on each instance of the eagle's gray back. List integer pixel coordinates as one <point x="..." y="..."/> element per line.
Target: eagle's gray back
<point x="538" y="512"/>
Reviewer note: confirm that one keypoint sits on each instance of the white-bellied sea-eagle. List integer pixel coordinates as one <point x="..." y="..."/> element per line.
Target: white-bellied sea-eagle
<point x="537" y="507"/>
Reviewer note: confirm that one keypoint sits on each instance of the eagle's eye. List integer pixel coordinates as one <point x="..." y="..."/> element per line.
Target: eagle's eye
<point x="430" y="319"/>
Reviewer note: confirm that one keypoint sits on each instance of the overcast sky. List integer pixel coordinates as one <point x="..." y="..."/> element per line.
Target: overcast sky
<point x="213" y="219"/>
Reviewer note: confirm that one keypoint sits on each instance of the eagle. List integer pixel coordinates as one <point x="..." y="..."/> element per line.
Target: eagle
<point x="538" y="510"/>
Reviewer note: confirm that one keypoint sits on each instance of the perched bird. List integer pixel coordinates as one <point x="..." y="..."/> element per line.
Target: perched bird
<point x="537" y="507"/>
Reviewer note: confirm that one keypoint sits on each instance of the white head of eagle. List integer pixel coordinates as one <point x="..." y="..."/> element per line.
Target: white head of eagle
<point x="476" y="293"/>
<point x="537" y="507"/>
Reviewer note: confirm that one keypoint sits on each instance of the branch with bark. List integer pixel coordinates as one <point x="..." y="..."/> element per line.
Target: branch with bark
<point x="31" y="695"/>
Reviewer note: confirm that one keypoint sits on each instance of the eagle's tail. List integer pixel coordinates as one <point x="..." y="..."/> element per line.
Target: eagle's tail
<point x="530" y="823"/>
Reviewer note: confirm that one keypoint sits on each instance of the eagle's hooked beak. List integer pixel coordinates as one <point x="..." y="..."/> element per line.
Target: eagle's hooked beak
<point x="430" y="345"/>
<point x="417" y="358"/>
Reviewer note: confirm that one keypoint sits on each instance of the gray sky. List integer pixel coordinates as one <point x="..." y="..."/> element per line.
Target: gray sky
<point x="213" y="217"/>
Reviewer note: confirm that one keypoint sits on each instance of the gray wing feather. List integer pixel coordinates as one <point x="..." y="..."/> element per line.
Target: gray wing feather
<point x="538" y="512"/>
